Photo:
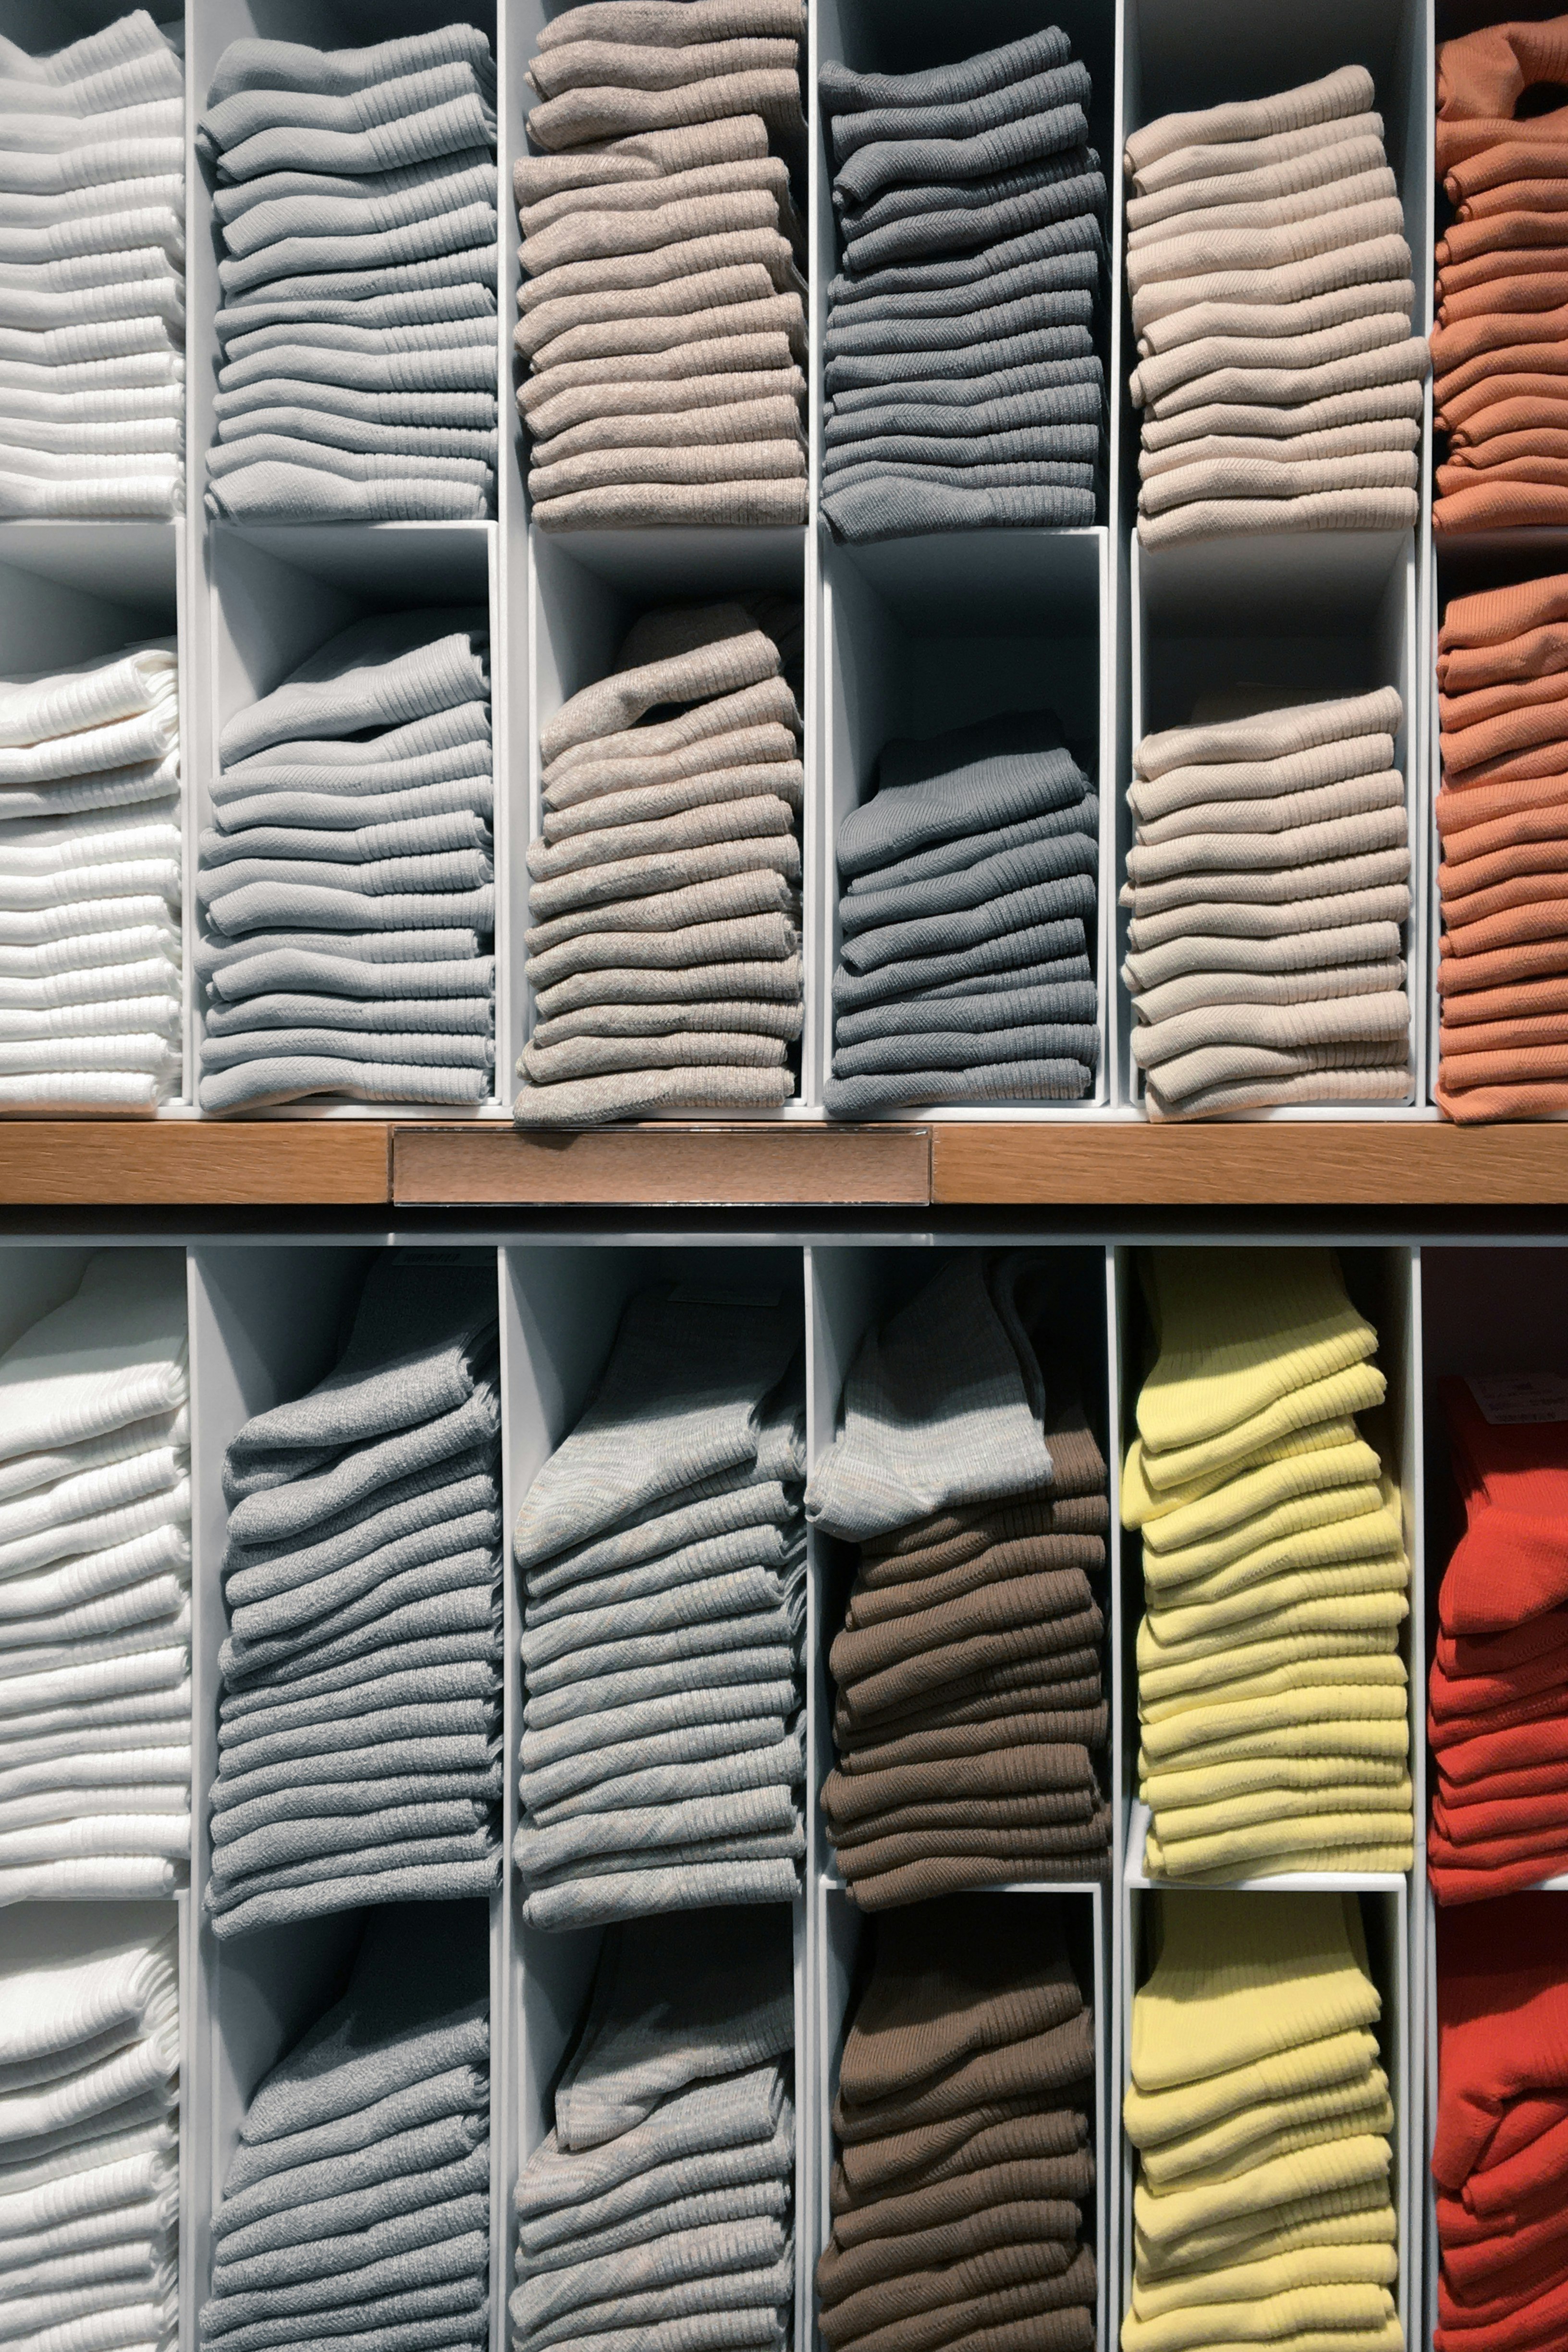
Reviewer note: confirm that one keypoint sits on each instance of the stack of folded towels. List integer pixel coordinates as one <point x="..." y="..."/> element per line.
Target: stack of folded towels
<point x="963" y="2162"/>
<point x="964" y="387"/>
<point x="1272" y="1698"/>
<point x="356" y="200"/>
<point x="92" y="277"/>
<point x="663" y="1564"/>
<point x="91" y="1001"/>
<point x="95" y="1581"/>
<point x="1279" y="380"/>
<point x="663" y="325"/>
<point x="1500" y="378"/>
<point x="1267" y="890"/>
<point x="1502" y="818"/>
<point x="968" y="915"/>
<point x="969" y="1676"/>
<point x="90" y="2139"/>
<point x="664" y="956"/>
<point x="661" y="2209"/>
<point x="348" y="878"/>
<point x="1262" y="2119"/>
<point x="357" y="2202"/>
<point x="1499" y="2152"/>
<point x="1497" y="1697"/>
<point x="359" y="1721"/>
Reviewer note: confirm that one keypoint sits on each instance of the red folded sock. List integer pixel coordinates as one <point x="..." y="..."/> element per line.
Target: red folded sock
<point x="1502" y="2022"/>
<point x="1512" y="1562"/>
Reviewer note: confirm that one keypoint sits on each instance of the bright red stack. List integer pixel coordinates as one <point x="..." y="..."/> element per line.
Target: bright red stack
<point x="1500" y="2157"/>
<point x="1497" y="1700"/>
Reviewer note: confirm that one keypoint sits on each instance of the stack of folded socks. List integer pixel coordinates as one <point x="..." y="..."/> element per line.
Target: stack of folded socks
<point x="348" y="878"/>
<point x="1497" y="1697"/>
<point x="663" y="325"/>
<point x="90" y="2139"/>
<point x="1500" y="378"/>
<point x="1271" y="282"/>
<point x="356" y="200"/>
<point x="1499" y="2155"/>
<point x="91" y="1001"/>
<point x="664" y="956"/>
<point x="92" y="276"/>
<point x="661" y="2209"/>
<point x="963" y="2162"/>
<point x="357" y="2203"/>
<point x="95" y="1581"/>
<point x="1262" y="2119"/>
<point x="663" y="1565"/>
<point x="1502" y="819"/>
<point x="1267" y="889"/>
<point x="359" y="1721"/>
<point x="1272" y="1698"/>
<point x="964" y="385"/>
<point x="968" y="913"/>
<point x="968" y="1675"/>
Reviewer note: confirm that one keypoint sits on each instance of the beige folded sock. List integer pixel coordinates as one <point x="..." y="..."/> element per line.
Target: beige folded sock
<point x="626" y="311"/>
<point x="617" y="112"/>
<point x="732" y="729"/>
<point x="1371" y="182"/>
<point x="1345" y="441"/>
<point x="1268" y="386"/>
<point x="744" y="307"/>
<point x="1382" y="1020"/>
<point x="1346" y="796"/>
<point x="735" y="422"/>
<point x="1293" y="241"/>
<point x="1346" y="93"/>
<point x="1276" y="887"/>
<point x="1191" y="992"/>
<point x="635" y="1094"/>
<point x="586" y="284"/>
<point x="1381" y="255"/>
<point x="749" y="506"/>
<point x="1392" y="1084"/>
<point x="772" y="982"/>
<point x="1366" y="942"/>
<point x="592" y="887"/>
<point x="644" y="195"/>
<point x="599" y="1057"/>
<point x="760" y="816"/>
<point x="716" y="649"/>
<point x="1394" y="403"/>
<point x="622" y="470"/>
<point x="557" y="409"/>
<point x="652" y="804"/>
<point x="1393" y="511"/>
<point x="1180" y="787"/>
<point x="672" y="23"/>
<point x="741" y="939"/>
<point x="1157" y="377"/>
<point x="1221" y="919"/>
<point x="585" y="237"/>
<point x="734" y="897"/>
<point x="1232" y="852"/>
<point x="654" y="376"/>
<point x="644" y="156"/>
<point x="760" y="1018"/>
<point x="1333" y="308"/>
<point x="1358" y="148"/>
<point x="1196" y="1080"/>
<point x="1220" y="158"/>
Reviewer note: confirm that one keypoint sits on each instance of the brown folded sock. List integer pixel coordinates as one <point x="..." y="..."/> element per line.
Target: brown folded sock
<point x="880" y="1603"/>
<point x="1047" y="2314"/>
<point x="860" y="1654"/>
<point x="949" y="1983"/>
<point x="991" y="1699"/>
<point x="1042" y="2063"/>
<point x="909" y="1555"/>
<point x="939" y="1874"/>
<point x="1026" y="2223"/>
<point x="897" y="2299"/>
<point x="1011" y="1772"/>
<point x="1017" y="1823"/>
<point x="962" y="2143"/>
<point x="940" y="1747"/>
<point x="901" y="1687"/>
<point x="1017" y="1855"/>
<point x="1071" y="2174"/>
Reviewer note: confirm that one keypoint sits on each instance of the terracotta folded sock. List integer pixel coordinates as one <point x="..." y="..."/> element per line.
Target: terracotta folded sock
<point x="1465" y="882"/>
<point x="1485" y="814"/>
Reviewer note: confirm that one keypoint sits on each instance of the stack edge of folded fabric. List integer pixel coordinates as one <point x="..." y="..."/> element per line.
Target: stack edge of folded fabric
<point x="964" y="381"/>
<point x="359" y="1721"/>
<point x="968" y="1675"/>
<point x="1279" y="384"/>
<point x="1499" y="2155"/>
<point x="90" y="2137"/>
<point x="92" y="276"/>
<point x="1267" y="890"/>
<point x="969" y="890"/>
<point x="1502" y="820"/>
<point x="1498" y="1695"/>
<point x="1262" y="2122"/>
<point x="95" y="1589"/>
<point x="356" y="204"/>
<point x="1272" y="1697"/>
<point x="963" y="2186"/>
<point x="347" y="880"/>
<point x="1499" y="390"/>
<point x="663" y="321"/>
<point x="659" y="2210"/>
<point x="663" y="1565"/>
<point x="357" y="2204"/>
<point x="664" y="955"/>
<point x="91" y="878"/>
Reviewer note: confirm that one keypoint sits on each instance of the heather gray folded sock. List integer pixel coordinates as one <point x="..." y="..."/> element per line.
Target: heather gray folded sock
<point x="1014" y="951"/>
<point x="383" y="671"/>
<point x="459" y="228"/>
<point x="940" y="936"/>
<point x="916" y="459"/>
<point x="313" y="204"/>
<point x="670" y="2196"/>
<point x="741" y="1501"/>
<point x="263" y="65"/>
<point x="844" y="92"/>
<point x="451" y="742"/>
<point x="390" y="2323"/>
<point x="578" y="1743"/>
<point x="953" y="786"/>
<point x="425" y="301"/>
<point x="462" y="368"/>
<point x="705" y="985"/>
<point x="973" y="430"/>
<point x="335" y="428"/>
<point x="955" y="117"/>
<point x="398" y="2158"/>
<point x="967" y="1046"/>
<point x="992" y="1082"/>
<point x="329" y="812"/>
<point x="460" y="118"/>
<point x="771" y="1547"/>
<point x="932" y="393"/>
<point x="904" y="163"/>
<point x="880" y="371"/>
<point x="911" y="225"/>
<point x="985" y="879"/>
<point x="618" y="112"/>
<point x="335" y="2217"/>
<point x="1005" y="1007"/>
<point x="676" y="1680"/>
<point x="850" y="336"/>
<point x="311" y="494"/>
<point x="951" y="858"/>
<point x="894" y="508"/>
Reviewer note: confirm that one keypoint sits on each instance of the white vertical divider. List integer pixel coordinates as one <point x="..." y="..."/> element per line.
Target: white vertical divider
<point x="1113" y="1918"/>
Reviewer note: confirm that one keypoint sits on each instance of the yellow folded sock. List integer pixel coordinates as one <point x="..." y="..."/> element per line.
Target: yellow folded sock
<point x="1238" y="1329"/>
<point x="1363" y="1683"/>
<point x="1360" y="1388"/>
<point x="1387" y="1738"/>
<point x="1246" y="1501"/>
<point x="1244" y="1980"/>
<point x="1144" y="1499"/>
<point x="1166" y="1566"/>
<point x="1214" y="1672"/>
<point x="1272" y="1847"/>
<point x="1300" y="2311"/>
<point x="1176" y="1823"/>
<point x="1234" y="1618"/>
<point x="1172" y="2217"/>
<point x="1358" y="2224"/>
<point x="1371" y="1535"/>
<point x="1153" y="2118"/>
<point x="1204" y="1783"/>
<point x="1254" y="2135"/>
<point x="1368" y="2265"/>
<point x="1396" y="1860"/>
<point x="1257" y="2233"/>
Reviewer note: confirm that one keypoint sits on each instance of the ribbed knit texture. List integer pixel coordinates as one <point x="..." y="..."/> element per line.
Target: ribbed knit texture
<point x="347" y="880"/>
<point x="970" y="306"/>
<point x="356" y="204"/>
<point x="1270" y="286"/>
<point x="91" y="878"/>
<point x="1296" y="805"/>
<point x="661" y="2207"/>
<point x="1275" y="1574"/>
<point x="965" y="2176"/>
<point x="1262" y="2117"/>
<point x="663" y="953"/>
<point x="968" y="1672"/>
<point x="359" y="1721"/>
<point x="662" y="1558"/>
<point x="357" y="2200"/>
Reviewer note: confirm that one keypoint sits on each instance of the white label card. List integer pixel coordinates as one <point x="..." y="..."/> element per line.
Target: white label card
<point x="1507" y="1397"/>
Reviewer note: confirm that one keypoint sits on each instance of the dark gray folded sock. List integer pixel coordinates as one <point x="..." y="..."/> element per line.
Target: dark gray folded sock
<point x="889" y="507"/>
<point x="1081" y="234"/>
<point x="1052" y="973"/>
<point x="852" y="337"/>
<point x="1030" y="445"/>
<point x="921" y="224"/>
<point x="845" y="92"/>
<point x="881" y="369"/>
<point x="986" y="880"/>
<point x="955" y="857"/>
<point x="971" y="1047"/>
<point x="1048" y="274"/>
<point x="433" y="2319"/>
<point x="1015" y="951"/>
<point x="992" y="1082"/>
<point x="905" y="418"/>
<point x="997" y="1009"/>
<point x="919" y="162"/>
<point x="400" y="2157"/>
<point x="954" y="117"/>
<point x="954" y="786"/>
<point x="462" y="2089"/>
<point x="462" y="2174"/>
<point x="961" y="392"/>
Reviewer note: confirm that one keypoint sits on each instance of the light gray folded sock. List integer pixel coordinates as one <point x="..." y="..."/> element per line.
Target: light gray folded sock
<point x="892" y="162"/>
<point x="420" y="303"/>
<point x="383" y="671"/>
<point x="460" y="228"/>
<point x="1057" y="1081"/>
<point x="409" y="120"/>
<point x="315" y="203"/>
<point x="356" y="485"/>
<point x="954" y="334"/>
<point x="263" y="65"/>
<point x="461" y="368"/>
<point x="1013" y="953"/>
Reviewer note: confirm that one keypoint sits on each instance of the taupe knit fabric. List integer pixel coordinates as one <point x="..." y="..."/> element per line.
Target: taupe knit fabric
<point x="1267" y="887"/>
<point x="1271" y="285"/>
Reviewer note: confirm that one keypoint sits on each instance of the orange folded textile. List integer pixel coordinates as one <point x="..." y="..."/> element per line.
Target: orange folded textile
<point x="1461" y="143"/>
<point x="1485" y="268"/>
<point x="1491" y="1105"/>
<point x="1462" y="880"/>
<point x="1495" y="365"/>
<point x="1515" y="230"/>
<point x="1546" y="759"/>
<point x="1515" y="196"/>
<point x="1525" y="729"/>
<point x="1480" y="703"/>
<point x="1532" y="924"/>
<point x="1467" y="339"/>
<point x="1483" y="817"/>
<point x="1531" y="1000"/>
<point x="1544" y="445"/>
<point x="1490" y="616"/>
<point x="1529" y="153"/>
<point x="1520" y="404"/>
<point x="1500" y="967"/>
<point x="1486" y="73"/>
<point x="1504" y="1037"/>
<point x="1501" y="506"/>
<point x="1534" y="653"/>
<point x="1463" y="915"/>
<point x="1505" y="298"/>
